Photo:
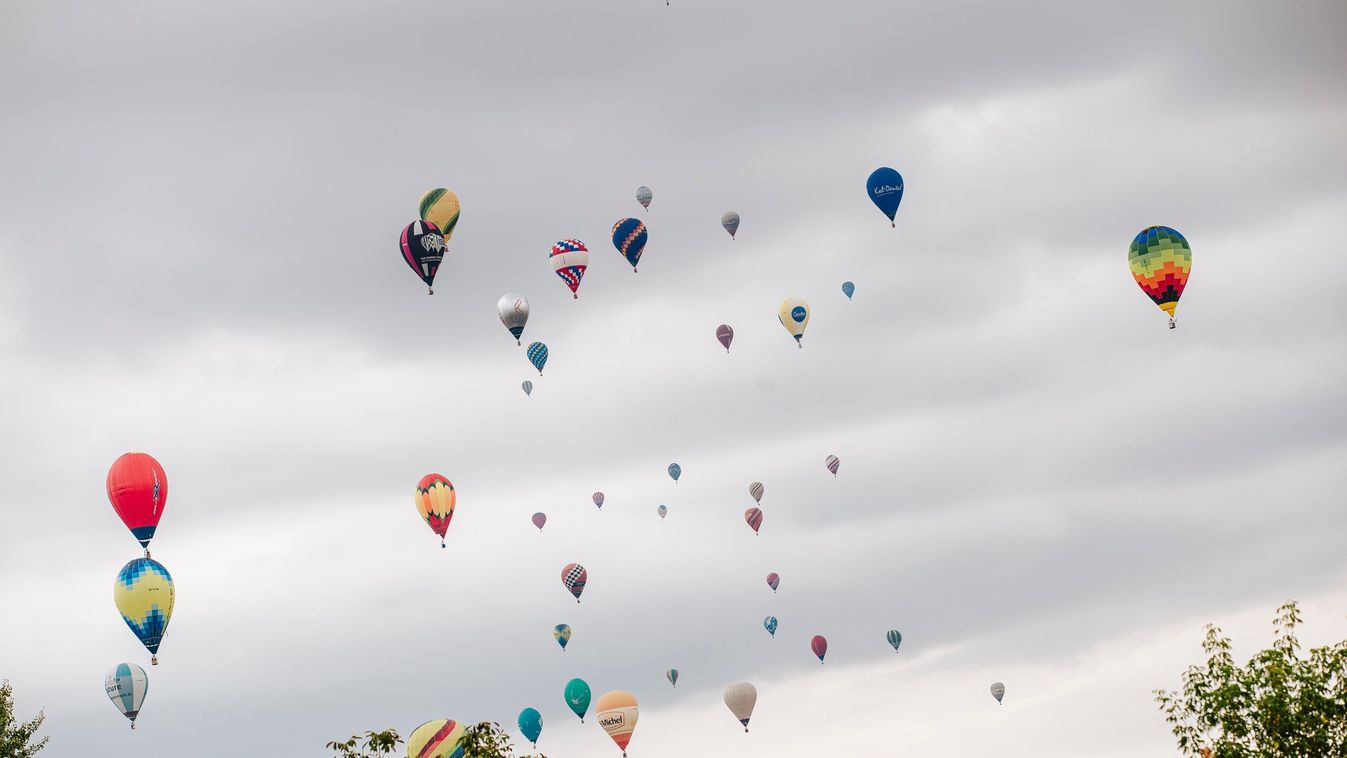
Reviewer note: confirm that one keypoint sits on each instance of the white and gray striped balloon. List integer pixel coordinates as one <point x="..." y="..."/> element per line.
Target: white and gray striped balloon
<point x="644" y="196"/>
<point x="731" y="222"/>
<point x="755" y="489"/>
<point x="832" y="463"/>
<point x="998" y="691"/>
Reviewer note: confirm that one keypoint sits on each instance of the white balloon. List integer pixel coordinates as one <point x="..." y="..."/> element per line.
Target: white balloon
<point x="740" y="699"/>
<point x="513" y="310"/>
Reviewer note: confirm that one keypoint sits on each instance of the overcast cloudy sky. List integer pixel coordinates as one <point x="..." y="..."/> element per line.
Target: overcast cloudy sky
<point x="1040" y="483"/>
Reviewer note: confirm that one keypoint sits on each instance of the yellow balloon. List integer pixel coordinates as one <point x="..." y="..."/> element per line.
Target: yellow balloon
<point x="436" y="739"/>
<point x="143" y="593"/>
<point x="794" y="315"/>
<point x="440" y="207"/>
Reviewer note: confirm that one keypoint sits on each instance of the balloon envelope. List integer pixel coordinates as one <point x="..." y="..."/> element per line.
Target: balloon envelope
<point x="1161" y="259"/>
<point x="513" y="310"/>
<point x="885" y="187"/>
<point x="832" y="463"/>
<point x="436" y="739"/>
<point x="753" y="516"/>
<point x="618" y="712"/>
<point x="537" y="355"/>
<point x="794" y="316"/>
<point x="731" y="222"/>
<point x="725" y="333"/>
<point x="672" y="676"/>
<point x="422" y="248"/>
<point x="528" y="387"/>
<point x="755" y="489"/>
<point x="848" y="289"/>
<point x="143" y="592"/>
<point x="895" y="638"/>
<point x="138" y="490"/>
<point x="769" y="624"/>
<point x="539" y="519"/>
<point x="441" y="208"/>
<point x="820" y="646"/>
<point x="598" y="499"/>
<point x="740" y="699"/>
<point x="663" y="510"/>
<point x="644" y="196"/>
<point x="126" y="685"/>
<point x="562" y="634"/>
<point x="629" y="237"/>
<point x="569" y="259"/>
<point x="573" y="577"/>
<point x="998" y="691"/>
<point x="675" y="471"/>
<point x="435" y="499"/>
<point x="577" y="697"/>
<point x="773" y="580"/>
<point x="531" y="725"/>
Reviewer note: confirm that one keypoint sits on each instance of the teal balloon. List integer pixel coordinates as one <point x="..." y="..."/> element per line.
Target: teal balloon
<point x="848" y="289"/>
<point x="537" y="354"/>
<point x="577" y="697"/>
<point x="769" y="624"/>
<point x="672" y="676"/>
<point x="675" y="471"/>
<point x="895" y="638"/>
<point x="531" y="725"/>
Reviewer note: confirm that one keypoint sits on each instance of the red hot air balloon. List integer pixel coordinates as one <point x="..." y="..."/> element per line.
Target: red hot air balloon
<point x="725" y="333"/>
<point x="773" y="580"/>
<point x="754" y="518"/>
<point x="820" y="646"/>
<point x="138" y="491"/>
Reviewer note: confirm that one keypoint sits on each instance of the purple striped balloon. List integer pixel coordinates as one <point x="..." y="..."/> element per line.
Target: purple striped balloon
<point x="832" y="463"/>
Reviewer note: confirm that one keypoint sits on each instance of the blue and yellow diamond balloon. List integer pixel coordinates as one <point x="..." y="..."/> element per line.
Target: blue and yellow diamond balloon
<point x="143" y="592"/>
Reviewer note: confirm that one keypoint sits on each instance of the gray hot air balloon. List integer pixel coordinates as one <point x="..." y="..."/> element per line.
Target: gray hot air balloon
<point x="513" y="310"/>
<point x="731" y="222"/>
<point x="998" y="691"/>
<point x="740" y="699"/>
<point x="755" y="489"/>
<point x="528" y="387"/>
<point x="644" y="196"/>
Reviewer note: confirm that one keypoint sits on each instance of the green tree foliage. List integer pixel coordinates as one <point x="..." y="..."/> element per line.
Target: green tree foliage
<point x="18" y="738"/>
<point x="373" y="744"/>
<point x="1281" y="704"/>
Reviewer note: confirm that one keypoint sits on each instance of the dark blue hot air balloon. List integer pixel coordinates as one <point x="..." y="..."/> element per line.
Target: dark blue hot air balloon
<point x="885" y="187"/>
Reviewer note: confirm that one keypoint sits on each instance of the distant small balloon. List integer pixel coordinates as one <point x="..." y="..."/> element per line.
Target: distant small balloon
<point x="598" y="499"/>
<point x="725" y="334"/>
<point x="528" y="388"/>
<point x="573" y="577"/>
<point x="755" y="489"/>
<point x="562" y="634"/>
<point x="675" y="471"/>
<point x="663" y="511"/>
<point x="537" y="355"/>
<point x="895" y="638"/>
<point x="773" y="580"/>
<point x="644" y="196"/>
<point x="820" y="646"/>
<point x="731" y="222"/>
<point x="769" y="624"/>
<point x="754" y="518"/>
<point x="832" y="463"/>
<point x="513" y="310"/>
<point x="539" y="519"/>
<point x="848" y="289"/>
<point x="672" y="676"/>
<point x="793" y="314"/>
<point x="998" y="691"/>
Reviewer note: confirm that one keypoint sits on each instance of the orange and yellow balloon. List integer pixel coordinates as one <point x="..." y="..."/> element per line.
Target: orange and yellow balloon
<point x="435" y="500"/>
<point x="617" y="712"/>
<point x="436" y="739"/>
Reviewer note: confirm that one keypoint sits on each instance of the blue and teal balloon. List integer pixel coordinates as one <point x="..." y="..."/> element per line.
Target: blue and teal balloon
<point x="672" y="676"/>
<point x="769" y="624"/>
<point x="895" y="638"/>
<point x="562" y="634"/>
<point x="531" y="725"/>
<point x="577" y="697"/>
<point x="848" y="289"/>
<point x="629" y="237"/>
<point x="126" y="685"/>
<point x="885" y="187"/>
<point x="675" y="471"/>
<point x="537" y="354"/>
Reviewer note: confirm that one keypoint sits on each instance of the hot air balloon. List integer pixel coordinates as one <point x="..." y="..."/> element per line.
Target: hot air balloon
<point x="725" y="333"/>
<point x="731" y="222"/>
<point x="528" y="388"/>
<point x="143" y="593"/>
<point x="820" y="646"/>
<point x="998" y="691"/>
<point x="570" y="258"/>
<point x="832" y="463"/>
<point x="769" y="624"/>
<point x="514" y="313"/>
<point x="848" y="289"/>
<point x="755" y="489"/>
<point x="675" y="471"/>
<point x="885" y="187"/>
<point x="895" y="638"/>
<point x="562" y="634"/>
<point x="617" y="712"/>
<point x="440" y="207"/>
<point x="629" y="237"/>
<point x="126" y="685"/>
<point x="672" y="676"/>
<point x="1160" y="260"/>
<point x="598" y="499"/>
<point x="644" y="196"/>
<point x="773" y="580"/>
<point x="531" y="725"/>
<point x="435" y="499"/>
<point x="794" y="315"/>
<point x="423" y="248"/>
<point x="573" y="577"/>
<point x="537" y="355"/>
<point x="436" y="739"/>
<point x="138" y="490"/>
<point x="663" y="510"/>
<point x="539" y="519"/>
<point x="740" y="699"/>
<point x="754" y="518"/>
<point x="577" y="697"/>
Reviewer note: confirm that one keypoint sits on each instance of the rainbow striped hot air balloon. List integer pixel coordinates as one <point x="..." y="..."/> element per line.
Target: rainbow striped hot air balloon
<point x="1161" y="259"/>
<point x="436" y="739"/>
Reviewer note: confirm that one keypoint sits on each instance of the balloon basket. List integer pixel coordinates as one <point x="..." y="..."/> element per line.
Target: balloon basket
<point x="430" y="291"/>
<point x="154" y="660"/>
<point x="1172" y="325"/>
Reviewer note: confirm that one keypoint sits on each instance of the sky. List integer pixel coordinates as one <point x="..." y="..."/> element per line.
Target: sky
<point x="1040" y="483"/>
